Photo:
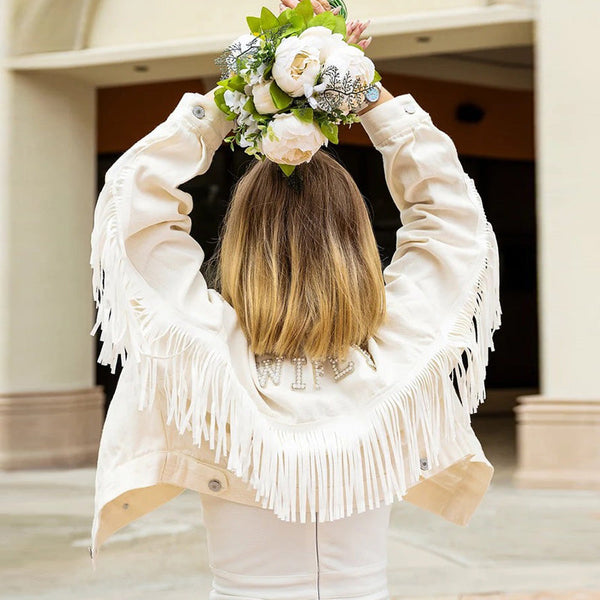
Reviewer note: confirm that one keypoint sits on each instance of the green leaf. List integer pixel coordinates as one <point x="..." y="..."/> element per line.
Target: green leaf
<point x="220" y="100"/>
<point x="254" y="25"/>
<point x="297" y="22"/>
<point x="284" y="17"/>
<point x="267" y="19"/>
<point x="295" y="27"/>
<point x="280" y="99"/>
<point x="249" y="106"/>
<point x="376" y="78"/>
<point x="287" y="169"/>
<point x="340" y="26"/>
<point x="334" y="22"/>
<point x="304" y="114"/>
<point x="305" y="10"/>
<point x="236" y="83"/>
<point x="325" y="19"/>
<point x="330" y="132"/>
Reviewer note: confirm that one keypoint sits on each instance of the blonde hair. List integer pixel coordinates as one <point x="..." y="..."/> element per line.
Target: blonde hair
<point x="300" y="266"/>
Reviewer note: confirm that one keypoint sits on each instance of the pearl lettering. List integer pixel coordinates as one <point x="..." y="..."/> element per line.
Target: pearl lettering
<point x="340" y="373"/>
<point x="318" y="372"/>
<point x="266" y="370"/>
<point x="299" y="362"/>
<point x="270" y="368"/>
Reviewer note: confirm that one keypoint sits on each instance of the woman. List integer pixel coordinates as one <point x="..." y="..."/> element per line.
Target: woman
<point x="312" y="391"/>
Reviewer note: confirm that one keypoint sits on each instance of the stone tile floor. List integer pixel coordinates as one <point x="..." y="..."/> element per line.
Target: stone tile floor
<point x="521" y="544"/>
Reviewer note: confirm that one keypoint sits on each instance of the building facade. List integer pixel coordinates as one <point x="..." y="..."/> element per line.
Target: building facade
<point x="513" y="85"/>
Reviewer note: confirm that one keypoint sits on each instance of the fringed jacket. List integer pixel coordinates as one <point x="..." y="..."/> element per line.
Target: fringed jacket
<point x="195" y="408"/>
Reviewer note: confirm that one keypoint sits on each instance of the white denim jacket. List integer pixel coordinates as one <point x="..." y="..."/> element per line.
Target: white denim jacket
<point x="195" y="408"/>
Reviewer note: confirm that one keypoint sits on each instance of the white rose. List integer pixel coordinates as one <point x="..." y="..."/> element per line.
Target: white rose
<point x="290" y="141"/>
<point x="296" y="63"/>
<point x="324" y="39"/>
<point x="262" y="98"/>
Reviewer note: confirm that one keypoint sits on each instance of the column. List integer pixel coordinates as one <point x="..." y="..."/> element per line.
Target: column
<point x="51" y="412"/>
<point x="558" y="431"/>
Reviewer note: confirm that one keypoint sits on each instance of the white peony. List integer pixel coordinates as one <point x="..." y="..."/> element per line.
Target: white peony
<point x="324" y="39"/>
<point x="296" y="64"/>
<point x="261" y="94"/>
<point x="290" y="141"/>
<point x="352" y="60"/>
<point x="340" y="63"/>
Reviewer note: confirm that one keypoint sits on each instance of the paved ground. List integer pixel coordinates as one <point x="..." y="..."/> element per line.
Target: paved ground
<point x="521" y="544"/>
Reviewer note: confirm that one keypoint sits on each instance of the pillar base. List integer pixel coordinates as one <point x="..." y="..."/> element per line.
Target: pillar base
<point x="557" y="443"/>
<point x="51" y="429"/>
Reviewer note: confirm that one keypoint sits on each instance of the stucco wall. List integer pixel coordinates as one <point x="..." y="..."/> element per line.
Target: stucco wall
<point x="159" y="20"/>
<point x="58" y="25"/>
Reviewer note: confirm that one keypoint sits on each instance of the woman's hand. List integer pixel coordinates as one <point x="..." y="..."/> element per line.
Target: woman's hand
<point x="354" y="28"/>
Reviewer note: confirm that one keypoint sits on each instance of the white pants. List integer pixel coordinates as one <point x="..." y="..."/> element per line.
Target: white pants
<point x="253" y="555"/>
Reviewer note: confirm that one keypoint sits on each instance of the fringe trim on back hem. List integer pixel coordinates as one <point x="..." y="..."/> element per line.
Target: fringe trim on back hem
<point x="326" y="468"/>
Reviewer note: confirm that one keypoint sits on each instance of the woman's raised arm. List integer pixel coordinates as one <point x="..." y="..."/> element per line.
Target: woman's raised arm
<point x="444" y="273"/>
<point x="146" y="266"/>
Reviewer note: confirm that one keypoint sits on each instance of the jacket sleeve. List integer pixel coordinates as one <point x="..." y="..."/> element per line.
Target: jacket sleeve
<point x="146" y="266"/>
<point x="442" y="284"/>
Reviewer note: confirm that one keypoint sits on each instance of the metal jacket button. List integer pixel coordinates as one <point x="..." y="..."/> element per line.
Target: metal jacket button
<point x="214" y="485"/>
<point x="199" y="111"/>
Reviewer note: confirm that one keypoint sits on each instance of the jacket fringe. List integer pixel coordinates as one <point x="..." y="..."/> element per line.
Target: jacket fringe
<point x="323" y="468"/>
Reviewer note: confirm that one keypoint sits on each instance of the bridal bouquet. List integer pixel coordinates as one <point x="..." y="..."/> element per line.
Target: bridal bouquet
<point x="291" y="82"/>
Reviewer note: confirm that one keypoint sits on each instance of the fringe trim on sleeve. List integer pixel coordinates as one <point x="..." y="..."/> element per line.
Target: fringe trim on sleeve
<point x="328" y="467"/>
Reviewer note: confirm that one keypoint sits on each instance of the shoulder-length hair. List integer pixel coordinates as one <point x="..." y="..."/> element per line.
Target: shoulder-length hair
<point x="300" y="266"/>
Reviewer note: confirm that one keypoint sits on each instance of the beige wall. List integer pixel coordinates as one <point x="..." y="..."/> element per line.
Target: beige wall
<point x="160" y="20"/>
<point x="109" y="42"/>
<point x="50" y="25"/>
